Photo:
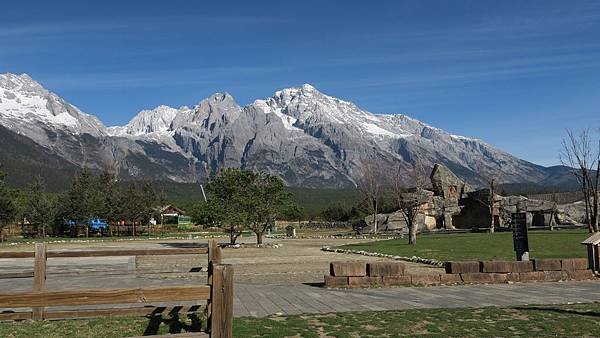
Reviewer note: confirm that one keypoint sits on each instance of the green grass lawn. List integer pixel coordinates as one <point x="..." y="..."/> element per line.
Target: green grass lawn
<point x="482" y="246"/>
<point x="556" y="320"/>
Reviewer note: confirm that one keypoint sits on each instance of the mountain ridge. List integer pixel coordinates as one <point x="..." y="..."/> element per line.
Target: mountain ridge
<point x="301" y="134"/>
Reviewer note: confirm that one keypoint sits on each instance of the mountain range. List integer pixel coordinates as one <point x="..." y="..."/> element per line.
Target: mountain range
<point x="306" y="137"/>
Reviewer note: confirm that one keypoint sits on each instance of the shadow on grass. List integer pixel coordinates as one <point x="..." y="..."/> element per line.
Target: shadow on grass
<point x="175" y="321"/>
<point x="561" y="311"/>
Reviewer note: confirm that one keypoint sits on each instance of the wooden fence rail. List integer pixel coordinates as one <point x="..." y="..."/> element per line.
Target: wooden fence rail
<point x="106" y="253"/>
<point x="218" y="292"/>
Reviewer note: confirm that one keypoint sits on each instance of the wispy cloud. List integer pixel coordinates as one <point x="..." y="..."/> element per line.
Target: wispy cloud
<point x="149" y="79"/>
<point x="132" y="24"/>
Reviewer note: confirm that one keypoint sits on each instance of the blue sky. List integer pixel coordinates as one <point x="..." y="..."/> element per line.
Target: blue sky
<point x="513" y="73"/>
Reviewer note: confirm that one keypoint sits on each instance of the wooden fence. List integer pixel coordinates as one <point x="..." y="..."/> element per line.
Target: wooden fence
<point x="218" y="292"/>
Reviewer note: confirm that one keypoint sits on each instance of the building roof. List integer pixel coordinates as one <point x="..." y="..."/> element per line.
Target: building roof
<point x="593" y="239"/>
<point x="169" y="209"/>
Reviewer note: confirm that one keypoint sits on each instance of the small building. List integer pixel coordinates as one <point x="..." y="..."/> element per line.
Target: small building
<point x="593" y="250"/>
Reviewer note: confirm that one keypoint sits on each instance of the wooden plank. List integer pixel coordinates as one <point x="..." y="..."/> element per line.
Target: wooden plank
<point x="107" y="272"/>
<point x="17" y="254"/>
<point x="10" y="316"/>
<point x="127" y="252"/>
<point x="9" y="275"/>
<point x="128" y="311"/>
<point x="105" y="253"/>
<point x="39" y="276"/>
<point x="221" y="325"/>
<point x="104" y="296"/>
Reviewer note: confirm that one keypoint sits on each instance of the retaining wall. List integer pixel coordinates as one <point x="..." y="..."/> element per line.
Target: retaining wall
<point x="362" y="274"/>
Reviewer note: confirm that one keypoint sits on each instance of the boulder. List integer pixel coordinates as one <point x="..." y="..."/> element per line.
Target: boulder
<point x="348" y="269"/>
<point x="522" y="266"/>
<point x="336" y="282"/>
<point x="365" y="281"/>
<point x="385" y="269"/>
<point x="580" y="274"/>
<point x="446" y="278"/>
<point x="496" y="266"/>
<point x="397" y="280"/>
<point x="481" y="277"/>
<point x="555" y="276"/>
<point x="448" y="185"/>
<point x="573" y="264"/>
<point x="462" y="267"/>
<point x="531" y="276"/>
<point x="547" y="265"/>
<point x="425" y="279"/>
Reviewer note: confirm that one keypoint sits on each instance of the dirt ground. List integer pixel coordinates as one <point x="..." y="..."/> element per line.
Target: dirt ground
<point x="295" y="261"/>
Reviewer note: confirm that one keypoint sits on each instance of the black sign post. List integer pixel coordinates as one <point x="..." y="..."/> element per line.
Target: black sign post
<point x="520" y="240"/>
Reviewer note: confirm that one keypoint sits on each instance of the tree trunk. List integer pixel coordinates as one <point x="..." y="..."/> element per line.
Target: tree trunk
<point x="259" y="237"/>
<point x="232" y="237"/>
<point x="375" y="225"/>
<point x="492" y="209"/>
<point x="412" y="234"/>
<point x="595" y="199"/>
<point x="586" y="199"/>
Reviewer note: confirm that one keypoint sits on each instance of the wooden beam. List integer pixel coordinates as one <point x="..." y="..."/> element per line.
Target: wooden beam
<point x="10" y="316"/>
<point x="127" y="252"/>
<point x="221" y="321"/>
<point x="94" y="313"/>
<point x="128" y="311"/>
<point x="39" y="276"/>
<point x="17" y="254"/>
<point x="104" y="296"/>
<point x="23" y="274"/>
<point x="105" y="253"/>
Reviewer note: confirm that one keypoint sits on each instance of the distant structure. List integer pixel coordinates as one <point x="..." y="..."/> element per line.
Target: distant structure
<point x="452" y="203"/>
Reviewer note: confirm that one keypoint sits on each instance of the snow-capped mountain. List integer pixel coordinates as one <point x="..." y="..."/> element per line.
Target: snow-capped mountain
<point x="306" y="137"/>
<point x="24" y="103"/>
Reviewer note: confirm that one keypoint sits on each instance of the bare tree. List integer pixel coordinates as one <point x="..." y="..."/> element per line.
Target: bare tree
<point x="492" y="183"/>
<point x="410" y="200"/>
<point x="370" y="185"/>
<point x="580" y="154"/>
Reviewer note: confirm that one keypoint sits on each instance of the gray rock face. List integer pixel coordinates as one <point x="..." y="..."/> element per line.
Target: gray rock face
<point x="304" y="136"/>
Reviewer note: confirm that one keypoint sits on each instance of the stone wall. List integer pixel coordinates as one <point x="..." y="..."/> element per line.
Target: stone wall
<point x="361" y="274"/>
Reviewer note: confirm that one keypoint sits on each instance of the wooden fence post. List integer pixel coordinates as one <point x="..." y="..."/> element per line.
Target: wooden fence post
<point x="221" y="321"/>
<point x="214" y="257"/>
<point x="39" y="277"/>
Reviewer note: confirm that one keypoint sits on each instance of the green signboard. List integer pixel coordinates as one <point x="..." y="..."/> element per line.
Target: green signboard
<point x="184" y="222"/>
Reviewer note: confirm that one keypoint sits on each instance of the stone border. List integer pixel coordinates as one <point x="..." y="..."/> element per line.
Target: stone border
<point x="372" y="274"/>
<point x="415" y="259"/>
<point x="334" y="237"/>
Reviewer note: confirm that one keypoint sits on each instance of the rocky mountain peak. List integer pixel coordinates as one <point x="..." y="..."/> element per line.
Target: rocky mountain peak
<point x="22" y="82"/>
<point x="28" y="106"/>
<point x="307" y="137"/>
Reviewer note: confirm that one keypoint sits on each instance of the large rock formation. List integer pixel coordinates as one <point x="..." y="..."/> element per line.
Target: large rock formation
<point x="452" y="203"/>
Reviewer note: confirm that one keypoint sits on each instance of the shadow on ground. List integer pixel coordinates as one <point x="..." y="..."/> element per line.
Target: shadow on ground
<point x="561" y="311"/>
<point x="184" y="245"/>
<point x="175" y="321"/>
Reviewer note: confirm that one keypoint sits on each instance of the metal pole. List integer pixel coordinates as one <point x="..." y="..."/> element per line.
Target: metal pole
<point x="203" y="194"/>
